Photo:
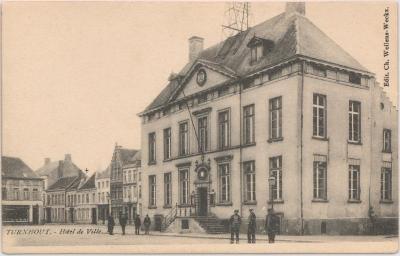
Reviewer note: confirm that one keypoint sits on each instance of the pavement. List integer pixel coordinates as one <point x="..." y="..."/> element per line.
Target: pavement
<point x="94" y="238"/>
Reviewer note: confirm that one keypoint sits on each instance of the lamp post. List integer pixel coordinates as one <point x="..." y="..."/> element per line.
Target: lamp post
<point x="109" y="202"/>
<point x="271" y="181"/>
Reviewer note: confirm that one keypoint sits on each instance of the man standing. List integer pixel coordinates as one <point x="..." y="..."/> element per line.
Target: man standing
<point x="251" y="231"/>
<point x="235" y="222"/>
<point x="138" y="223"/>
<point x="270" y="225"/>
<point x="147" y="223"/>
<point x="110" y="224"/>
<point x="122" y="222"/>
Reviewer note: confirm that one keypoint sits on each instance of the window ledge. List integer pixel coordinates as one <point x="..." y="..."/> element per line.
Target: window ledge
<point x="271" y="140"/>
<point x="152" y="207"/>
<point x="316" y="200"/>
<point x="354" y="142"/>
<point x="249" y="144"/>
<point x="276" y="201"/>
<point x="354" y="201"/>
<point x="167" y="160"/>
<point x="387" y="151"/>
<point x="224" y="204"/>
<point x="320" y="138"/>
<point x="167" y="206"/>
<point x="152" y="163"/>
<point x="386" y="202"/>
<point x="250" y="202"/>
<point x="184" y="205"/>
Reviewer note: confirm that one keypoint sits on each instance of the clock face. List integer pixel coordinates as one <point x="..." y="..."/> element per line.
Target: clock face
<point x="201" y="77"/>
<point x="202" y="173"/>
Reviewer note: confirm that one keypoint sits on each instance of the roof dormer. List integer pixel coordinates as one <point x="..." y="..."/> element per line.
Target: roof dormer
<point x="259" y="47"/>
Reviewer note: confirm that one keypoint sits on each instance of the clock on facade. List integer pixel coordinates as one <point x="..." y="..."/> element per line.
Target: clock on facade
<point x="201" y="77"/>
<point x="202" y="173"/>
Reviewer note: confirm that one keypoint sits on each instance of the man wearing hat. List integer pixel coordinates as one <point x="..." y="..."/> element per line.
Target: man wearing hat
<point x="235" y="222"/>
<point x="251" y="231"/>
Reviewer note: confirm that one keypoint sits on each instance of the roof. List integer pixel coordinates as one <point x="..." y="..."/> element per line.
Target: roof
<point x="13" y="167"/>
<point x="68" y="168"/>
<point x="104" y="174"/>
<point x="90" y="183"/>
<point x="293" y="36"/>
<point x="126" y="155"/>
<point x="63" y="183"/>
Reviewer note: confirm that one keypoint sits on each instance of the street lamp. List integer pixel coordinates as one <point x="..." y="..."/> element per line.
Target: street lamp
<point x="109" y="202"/>
<point x="271" y="181"/>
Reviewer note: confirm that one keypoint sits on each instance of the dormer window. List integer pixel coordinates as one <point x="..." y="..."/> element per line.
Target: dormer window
<point x="259" y="47"/>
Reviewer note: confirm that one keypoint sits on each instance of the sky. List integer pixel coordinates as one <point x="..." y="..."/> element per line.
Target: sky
<point x="76" y="74"/>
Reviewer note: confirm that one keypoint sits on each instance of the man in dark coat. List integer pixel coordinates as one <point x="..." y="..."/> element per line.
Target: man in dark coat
<point x="147" y="223"/>
<point x="110" y="224"/>
<point x="270" y="225"/>
<point x="122" y="221"/>
<point x="138" y="223"/>
<point x="251" y="231"/>
<point x="234" y="223"/>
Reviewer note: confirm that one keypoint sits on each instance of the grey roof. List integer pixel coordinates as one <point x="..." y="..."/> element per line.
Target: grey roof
<point x="13" y="167"/>
<point x="293" y="36"/>
<point x="90" y="183"/>
<point x="68" y="168"/>
<point x="126" y="155"/>
<point x="63" y="183"/>
<point x="104" y="174"/>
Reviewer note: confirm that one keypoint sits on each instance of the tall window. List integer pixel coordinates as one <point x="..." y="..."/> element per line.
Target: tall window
<point x="250" y="181"/>
<point x="224" y="183"/>
<point x="203" y="133"/>
<point x="223" y="129"/>
<point x="319" y="178"/>
<point x="26" y="193"/>
<point x="386" y="182"/>
<point x="184" y="186"/>
<point x="354" y="182"/>
<point x="183" y="139"/>
<point x="152" y="190"/>
<point x="354" y="121"/>
<point x="152" y="147"/>
<point x="275" y="118"/>
<point x="387" y="140"/>
<point x="275" y="168"/>
<point x="319" y="115"/>
<point x="167" y="189"/>
<point x="167" y="143"/>
<point x="256" y="52"/>
<point x="248" y="124"/>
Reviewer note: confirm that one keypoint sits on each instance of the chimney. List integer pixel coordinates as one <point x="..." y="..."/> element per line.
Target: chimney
<point x="293" y="7"/>
<point x="195" y="47"/>
<point x="67" y="157"/>
<point x="60" y="172"/>
<point x="47" y="160"/>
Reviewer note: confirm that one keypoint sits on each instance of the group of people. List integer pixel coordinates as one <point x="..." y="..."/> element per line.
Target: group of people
<point x="271" y="226"/>
<point x="123" y="219"/>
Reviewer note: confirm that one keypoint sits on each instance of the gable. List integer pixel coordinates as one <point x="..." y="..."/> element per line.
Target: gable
<point x="194" y="83"/>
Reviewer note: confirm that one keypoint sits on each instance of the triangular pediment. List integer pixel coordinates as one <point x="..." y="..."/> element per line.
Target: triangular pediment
<point x="202" y="76"/>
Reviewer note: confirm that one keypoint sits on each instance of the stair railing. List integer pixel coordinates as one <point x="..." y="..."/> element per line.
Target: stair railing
<point x="170" y="217"/>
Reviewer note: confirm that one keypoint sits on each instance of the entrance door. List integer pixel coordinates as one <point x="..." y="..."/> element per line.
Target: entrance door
<point x="71" y="214"/>
<point x="203" y="204"/>
<point x="94" y="216"/>
<point x="48" y="215"/>
<point x="35" y="215"/>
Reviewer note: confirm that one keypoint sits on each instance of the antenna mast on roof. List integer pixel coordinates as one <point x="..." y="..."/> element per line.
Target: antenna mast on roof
<point x="236" y="18"/>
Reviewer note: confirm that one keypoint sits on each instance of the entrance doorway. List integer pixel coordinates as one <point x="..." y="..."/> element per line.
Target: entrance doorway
<point x="203" y="202"/>
<point x="94" y="216"/>
<point x="48" y="215"/>
<point x="35" y="215"/>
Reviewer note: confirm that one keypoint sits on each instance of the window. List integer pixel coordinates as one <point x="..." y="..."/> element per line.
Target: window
<point x="223" y="129"/>
<point x="275" y="118"/>
<point x="256" y="52"/>
<point x="87" y="198"/>
<point x="167" y="189"/>
<point x="35" y="194"/>
<point x="140" y="191"/>
<point x="152" y="190"/>
<point x="184" y="186"/>
<point x="250" y="181"/>
<point x="319" y="178"/>
<point x="152" y="147"/>
<point x="355" y="121"/>
<point x="354" y="78"/>
<point x="275" y="168"/>
<point x="223" y="91"/>
<point x="224" y="183"/>
<point x="248" y="124"/>
<point x="354" y="182"/>
<point x="183" y="138"/>
<point x="203" y="133"/>
<point x="386" y="182"/>
<point x="26" y="194"/>
<point x="319" y="115"/>
<point x="387" y="140"/>
<point x="167" y="143"/>
<point x="4" y="193"/>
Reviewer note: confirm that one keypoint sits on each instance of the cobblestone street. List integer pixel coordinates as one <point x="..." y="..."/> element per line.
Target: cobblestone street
<point x="49" y="237"/>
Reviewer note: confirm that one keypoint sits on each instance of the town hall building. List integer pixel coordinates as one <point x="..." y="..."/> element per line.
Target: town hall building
<point x="278" y="116"/>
